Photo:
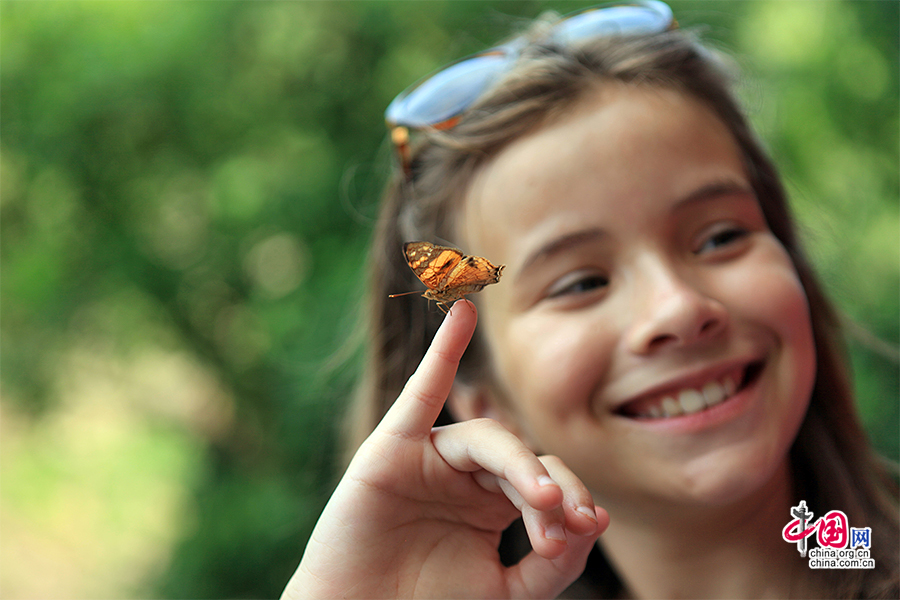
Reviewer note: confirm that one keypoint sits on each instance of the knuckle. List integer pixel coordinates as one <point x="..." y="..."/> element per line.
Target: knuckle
<point x="522" y="453"/>
<point x="552" y="461"/>
<point x="487" y="425"/>
<point x="421" y="394"/>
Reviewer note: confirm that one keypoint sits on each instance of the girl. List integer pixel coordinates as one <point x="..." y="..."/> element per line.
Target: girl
<point x="657" y="380"/>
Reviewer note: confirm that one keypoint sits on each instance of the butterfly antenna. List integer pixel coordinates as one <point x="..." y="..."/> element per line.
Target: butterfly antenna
<point x="403" y="294"/>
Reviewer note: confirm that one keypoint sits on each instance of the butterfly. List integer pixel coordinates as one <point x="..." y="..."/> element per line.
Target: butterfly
<point x="447" y="272"/>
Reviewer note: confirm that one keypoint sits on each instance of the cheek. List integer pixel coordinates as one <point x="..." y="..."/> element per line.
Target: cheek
<point x="552" y="367"/>
<point x="772" y="297"/>
<point x="790" y="311"/>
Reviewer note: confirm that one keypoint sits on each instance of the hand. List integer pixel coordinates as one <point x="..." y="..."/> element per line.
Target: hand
<point x="420" y="510"/>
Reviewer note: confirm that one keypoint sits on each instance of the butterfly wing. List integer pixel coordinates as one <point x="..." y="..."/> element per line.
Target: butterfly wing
<point x="432" y="264"/>
<point x="473" y="273"/>
<point x="447" y="272"/>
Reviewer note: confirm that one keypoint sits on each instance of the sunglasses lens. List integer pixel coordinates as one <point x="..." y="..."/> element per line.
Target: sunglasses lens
<point x="447" y="93"/>
<point x="615" y="20"/>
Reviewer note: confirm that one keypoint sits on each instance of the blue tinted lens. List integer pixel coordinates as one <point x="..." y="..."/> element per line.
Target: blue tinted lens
<point x="614" y="20"/>
<point x="452" y="90"/>
<point x="447" y="93"/>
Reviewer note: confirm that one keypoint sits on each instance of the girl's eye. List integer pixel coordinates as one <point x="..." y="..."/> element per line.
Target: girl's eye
<point x="581" y="284"/>
<point x="721" y="238"/>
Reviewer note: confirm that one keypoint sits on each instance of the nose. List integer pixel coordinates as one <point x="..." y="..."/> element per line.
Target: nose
<point x="669" y="310"/>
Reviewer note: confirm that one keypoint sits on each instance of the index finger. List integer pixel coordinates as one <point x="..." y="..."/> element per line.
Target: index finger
<point x="419" y="404"/>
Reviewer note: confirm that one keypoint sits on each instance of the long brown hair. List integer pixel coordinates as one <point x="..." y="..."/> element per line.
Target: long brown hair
<point x="833" y="463"/>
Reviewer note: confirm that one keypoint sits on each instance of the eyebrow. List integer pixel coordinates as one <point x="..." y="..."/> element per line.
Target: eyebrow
<point x="564" y="242"/>
<point x="715" y="189"/>
<point x="724" y="187"/>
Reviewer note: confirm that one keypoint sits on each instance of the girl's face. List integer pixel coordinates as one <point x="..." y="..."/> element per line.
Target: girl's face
<point x="649" y="329"/>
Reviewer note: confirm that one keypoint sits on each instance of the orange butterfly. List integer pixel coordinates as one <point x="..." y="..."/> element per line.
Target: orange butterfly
<point x="447" y="272"/>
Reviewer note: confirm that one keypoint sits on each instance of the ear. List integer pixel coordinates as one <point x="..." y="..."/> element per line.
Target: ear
<point x="467" y="401"/>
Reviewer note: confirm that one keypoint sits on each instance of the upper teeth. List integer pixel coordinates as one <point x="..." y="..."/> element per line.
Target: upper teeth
<point x="690" y="400"/>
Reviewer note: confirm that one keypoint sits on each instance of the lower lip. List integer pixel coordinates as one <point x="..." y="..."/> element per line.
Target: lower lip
<point x="723" y="412"/>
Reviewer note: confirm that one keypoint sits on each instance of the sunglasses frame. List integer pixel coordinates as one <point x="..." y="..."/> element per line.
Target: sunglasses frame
<point x="400" y="118"/>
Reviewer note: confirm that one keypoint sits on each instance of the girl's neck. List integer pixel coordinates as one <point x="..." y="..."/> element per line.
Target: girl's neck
<point x="724" y="552"/>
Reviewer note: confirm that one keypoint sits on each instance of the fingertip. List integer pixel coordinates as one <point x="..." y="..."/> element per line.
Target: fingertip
<point x="589" y="513"/>
<point x="550" y="546"/>
<point x="547" y="493"/>
<point x="456" y="330"/>
<point x="552" y="566"/>
<point x="590" y="521"/>
<point x="602" y="519"/>
<point x="467" y="305"/>
<point x="545" y="480"/>
<point x="548" y="536"/>
<point x="461" y="312"/>
<point x="555" y="532"/>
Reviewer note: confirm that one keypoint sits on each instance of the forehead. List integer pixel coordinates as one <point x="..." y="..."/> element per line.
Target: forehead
<point x="618" y="145"/>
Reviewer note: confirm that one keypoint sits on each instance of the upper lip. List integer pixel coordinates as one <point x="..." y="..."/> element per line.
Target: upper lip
<point x="694" y="379"/>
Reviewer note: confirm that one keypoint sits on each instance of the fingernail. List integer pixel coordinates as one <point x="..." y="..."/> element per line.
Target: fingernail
<point x="543" y="480"/>
<point x="588" y="512"/>
<point x="555" y="532"/>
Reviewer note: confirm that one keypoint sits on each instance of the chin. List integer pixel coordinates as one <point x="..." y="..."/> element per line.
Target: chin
<point x="721" y="481"/>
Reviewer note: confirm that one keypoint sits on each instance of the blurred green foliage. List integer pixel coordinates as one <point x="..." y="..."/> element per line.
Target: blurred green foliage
<point x="187" y="195"/>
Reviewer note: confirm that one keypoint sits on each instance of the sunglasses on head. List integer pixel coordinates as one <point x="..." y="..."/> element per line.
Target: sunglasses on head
<point x="438" y="100"/>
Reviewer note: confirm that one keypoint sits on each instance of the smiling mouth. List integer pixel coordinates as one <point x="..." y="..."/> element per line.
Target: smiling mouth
<point x="688" y="400"/>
